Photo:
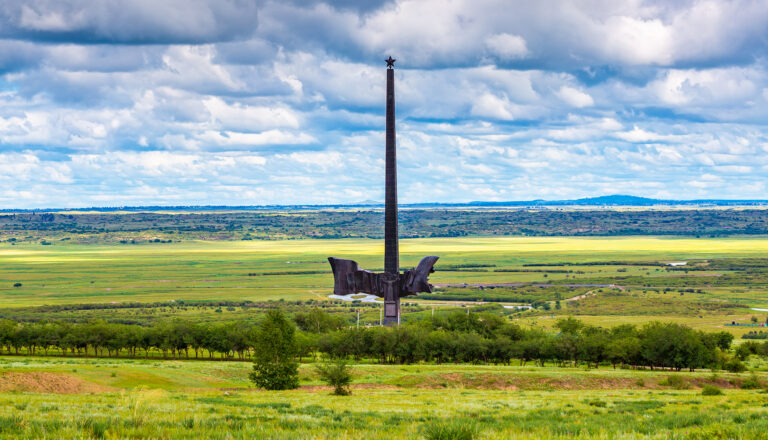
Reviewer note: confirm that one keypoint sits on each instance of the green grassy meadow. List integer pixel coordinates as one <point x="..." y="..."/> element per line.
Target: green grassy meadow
<point x="298" y="269"/>
<point x="168" y="399"/>
<point x="60" y="397"/>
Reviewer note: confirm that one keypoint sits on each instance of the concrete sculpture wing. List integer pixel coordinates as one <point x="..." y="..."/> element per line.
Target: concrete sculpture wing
<point x="417" y="280"/>
<point x="343" y="281"/>
<point x="349" y="278"/>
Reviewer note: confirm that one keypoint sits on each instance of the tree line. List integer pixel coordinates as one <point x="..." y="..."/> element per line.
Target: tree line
<point x="488" y="338"/>
<point x="176" y="338"/>
<point x="455" y="337"/>
<point x="128" y="228"/>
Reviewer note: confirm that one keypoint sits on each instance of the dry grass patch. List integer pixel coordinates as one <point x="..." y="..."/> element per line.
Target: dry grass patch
<point x="45" y="382"/>
<point x="492" y="381"/>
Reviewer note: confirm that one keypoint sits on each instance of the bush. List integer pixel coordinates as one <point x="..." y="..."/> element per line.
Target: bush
<point x="675" y="382"/>
<point x="454" y="430"/>
<point x="336" y="374"/>
<point x="16" y="284"/>
<point x="750" y="383"/>
<point x="734" y="365"/>
<point x="743" y="351"/>
<point x="711" y="390"/>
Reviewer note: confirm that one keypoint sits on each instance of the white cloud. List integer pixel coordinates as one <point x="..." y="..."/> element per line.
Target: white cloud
<point x="244" y="117"/>
<point x="507" y="46"/>
<point x="624" y="97"/>
<point x="638" y="41"/>
<point x="491" y="106"/>
<point x="639" y="135"/>
<point x="708" y="87"/>
<point x="574" y="97"/>
<point x="269" y="137"/>
<point x="49" y="20"/>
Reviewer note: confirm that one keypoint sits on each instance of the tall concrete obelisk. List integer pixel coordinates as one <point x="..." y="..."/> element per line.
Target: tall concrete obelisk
<point x="391" y="247"/>
<point x="348" y="278"/>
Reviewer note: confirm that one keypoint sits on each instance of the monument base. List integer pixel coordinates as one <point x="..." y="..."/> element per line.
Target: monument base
<point x="349" y="278"/>
<point x="391" y="286"/>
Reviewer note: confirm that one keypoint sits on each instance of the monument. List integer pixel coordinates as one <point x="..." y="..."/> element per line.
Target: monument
<point x="390" y="285"/>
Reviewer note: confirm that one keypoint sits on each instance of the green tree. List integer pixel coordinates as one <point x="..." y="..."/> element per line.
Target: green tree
<point x="336" y="374"/>
<point x="274" y="364"/>
<point x="318" y="321"/>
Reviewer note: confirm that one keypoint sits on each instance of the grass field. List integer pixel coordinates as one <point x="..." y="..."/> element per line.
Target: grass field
<point x="64" y="274"/>
<point x="298" y="270"/>
<point x="117" y="399"/>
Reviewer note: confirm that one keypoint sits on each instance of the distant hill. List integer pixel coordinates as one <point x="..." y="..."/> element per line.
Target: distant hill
<point x="610" y="200"/>
<point x="619" y="200"/>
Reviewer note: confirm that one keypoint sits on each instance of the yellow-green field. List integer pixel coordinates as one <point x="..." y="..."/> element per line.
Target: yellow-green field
<point x="63" y="274"/>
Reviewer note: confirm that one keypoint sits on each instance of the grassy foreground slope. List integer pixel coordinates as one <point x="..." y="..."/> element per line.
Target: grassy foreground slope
<point x="119" y="399"/>
<point x="297" y="269"/>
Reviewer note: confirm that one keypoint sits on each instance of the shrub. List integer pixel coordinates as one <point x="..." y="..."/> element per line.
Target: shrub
<point x="675" y="382"/>
<point x="711" y="390"/>
<point x="336" y="374"/>
<point x="743" y="351"/>
<point x="16" y="284"/>
<point x="751" y="383"/>
<point x="734" y="365"/>
<point x="454" y="430"/>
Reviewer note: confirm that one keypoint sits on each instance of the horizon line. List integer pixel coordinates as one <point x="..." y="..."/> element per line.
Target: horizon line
<point x="607" y="200"/>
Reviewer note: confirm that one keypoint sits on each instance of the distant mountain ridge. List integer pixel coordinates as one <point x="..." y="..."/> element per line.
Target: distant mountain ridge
<point x="601" y="201"/>
<point x="626" y="200"/>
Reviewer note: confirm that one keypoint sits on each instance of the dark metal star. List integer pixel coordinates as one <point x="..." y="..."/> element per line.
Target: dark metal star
<point x="390" y="62"/>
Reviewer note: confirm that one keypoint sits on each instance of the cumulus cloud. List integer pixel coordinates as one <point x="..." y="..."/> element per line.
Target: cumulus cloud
<point x="128" y="21"/>
<point x="491" y="106"/>
<point x="574" y="97"/>
<point x="506" y="46"/>
<point x="242" y="102"/>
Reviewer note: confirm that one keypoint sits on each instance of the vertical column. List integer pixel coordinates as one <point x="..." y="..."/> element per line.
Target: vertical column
<point x="391" y="249"/>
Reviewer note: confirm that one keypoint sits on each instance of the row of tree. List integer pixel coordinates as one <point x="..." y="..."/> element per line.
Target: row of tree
<point x="176" y="338"/>
<point x="455" y="337"/>
<point x="488" y="339"/>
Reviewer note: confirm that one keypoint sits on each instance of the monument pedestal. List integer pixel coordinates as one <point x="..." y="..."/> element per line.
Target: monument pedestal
<point x="390" y="284"/>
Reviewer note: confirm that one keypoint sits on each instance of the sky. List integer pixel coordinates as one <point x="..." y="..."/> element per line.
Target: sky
<point x="233" y="102"/>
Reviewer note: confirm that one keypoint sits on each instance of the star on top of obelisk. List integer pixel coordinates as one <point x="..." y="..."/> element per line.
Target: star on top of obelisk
<point x="390" y="62"/>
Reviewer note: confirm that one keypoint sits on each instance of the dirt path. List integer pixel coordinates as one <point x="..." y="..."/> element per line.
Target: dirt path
<point x="526" y="284"/>
<point x="580" y="297"/>
<point x="594" y="292"/>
